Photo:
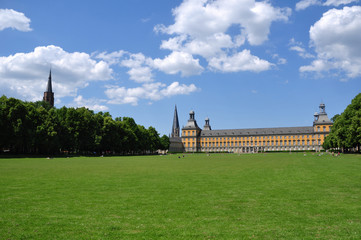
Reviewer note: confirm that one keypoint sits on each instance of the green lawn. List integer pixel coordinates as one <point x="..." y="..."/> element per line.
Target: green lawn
<point x="222" y="196"/>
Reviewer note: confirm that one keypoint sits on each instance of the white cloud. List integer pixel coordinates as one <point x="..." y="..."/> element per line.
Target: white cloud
<point x="337" y="3"/>
<point x="25" y="74"/>
<point x="178" y="62"/>
<point x="280" y="60"/>
<point x="111" y="58"/>
<point x="92" y="104"/>
<point x="10" y="18"/>
<point x="242" y="61"/>
<point x="141" y="74"/>
<point x="336" y="39"/>
<point x="139" y="69"/>
<point x="177" y="89"/>
<point x="201" y="27"/>
<point x="149" y="91"/>
<point x="298" y="47"/>
<point x="201" y="19"/>
<point x="301" y="5"/>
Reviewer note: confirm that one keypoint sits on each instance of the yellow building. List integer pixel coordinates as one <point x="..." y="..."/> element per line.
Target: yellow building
<point x="195" y="139"/>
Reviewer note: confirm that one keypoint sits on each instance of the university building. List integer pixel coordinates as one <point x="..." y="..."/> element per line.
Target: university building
<point x="195" y="139"/>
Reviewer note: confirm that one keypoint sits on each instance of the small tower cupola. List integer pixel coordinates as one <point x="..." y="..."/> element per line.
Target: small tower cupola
<point x="316" y="116"/>
<point x="321" y="117"/>
<point x="49" y="94"/>
<point x="322" y="108"/>
<point x="206" y="125"/>
<point x="192" y="123"/>
<point x="191" y="115"/>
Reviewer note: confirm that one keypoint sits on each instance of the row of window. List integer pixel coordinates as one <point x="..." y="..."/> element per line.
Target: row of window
<point x="260" y="138"/>
<point x="324" y="128"/>
<point x="259" y="149"/>
<point x="204" y="140"/>
<point x="264" y="143"/>
<point x="189" y="133"/>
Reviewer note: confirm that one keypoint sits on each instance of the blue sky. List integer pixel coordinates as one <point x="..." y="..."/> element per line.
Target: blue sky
<point x="242" y="63"/>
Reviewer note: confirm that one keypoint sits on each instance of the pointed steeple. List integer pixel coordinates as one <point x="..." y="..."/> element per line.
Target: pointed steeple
<point x="175" y="127"/>
<point x="49" y="88"/>
<point x="48" y="94"/>
<point x="175" y="142"/>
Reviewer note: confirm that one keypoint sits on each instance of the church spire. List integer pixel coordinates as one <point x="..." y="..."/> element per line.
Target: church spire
<point x="48" y="94"/>
<point x="49" y="88"/>
<point x="175" y="127"/>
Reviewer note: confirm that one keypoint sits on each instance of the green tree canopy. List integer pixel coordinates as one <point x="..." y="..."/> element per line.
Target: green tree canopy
<point x="28" y="127"/>
<point x="346" y="130"/>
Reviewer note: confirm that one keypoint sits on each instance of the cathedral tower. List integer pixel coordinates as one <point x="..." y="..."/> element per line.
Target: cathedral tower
<point x="175" y="142"/>
<point x="175" y="127"/>
<point x="48" y="94"/>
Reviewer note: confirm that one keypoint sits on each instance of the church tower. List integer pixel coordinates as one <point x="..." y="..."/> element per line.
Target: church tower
<point x="48" y="94"/>
<point x="175" y="142"/>
<point x="175" y="127"/>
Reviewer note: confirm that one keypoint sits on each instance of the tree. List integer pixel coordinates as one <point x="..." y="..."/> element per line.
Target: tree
<point x="4" y="124"/>
<point x="164" y="140"/>
<point x="346" y="131"/>
<point x="154" y="139"/>
<point x="28" y="127"/>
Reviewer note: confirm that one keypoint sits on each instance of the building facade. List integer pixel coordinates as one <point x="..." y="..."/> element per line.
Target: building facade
<point x="195" y="139"/>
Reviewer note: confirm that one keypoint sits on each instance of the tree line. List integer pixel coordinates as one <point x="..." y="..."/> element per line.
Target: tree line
<point x="345" y="133"/>
<point x="38" y="128"/>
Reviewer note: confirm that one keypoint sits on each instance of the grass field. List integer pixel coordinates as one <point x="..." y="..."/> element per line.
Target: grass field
<point x="222" y="196"/>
